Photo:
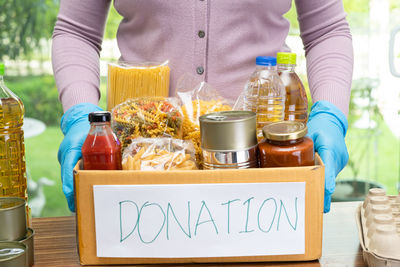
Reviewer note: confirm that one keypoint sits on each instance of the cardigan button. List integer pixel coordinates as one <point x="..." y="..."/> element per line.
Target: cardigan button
<point x="200" y="70"/>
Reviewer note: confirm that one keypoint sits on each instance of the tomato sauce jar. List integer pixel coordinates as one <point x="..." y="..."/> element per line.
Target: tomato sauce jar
<point x="286" y="145"/>
<point x="101" y="149"/>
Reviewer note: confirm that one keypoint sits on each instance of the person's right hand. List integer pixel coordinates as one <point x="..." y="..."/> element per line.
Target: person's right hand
<point x="75" y="127"/>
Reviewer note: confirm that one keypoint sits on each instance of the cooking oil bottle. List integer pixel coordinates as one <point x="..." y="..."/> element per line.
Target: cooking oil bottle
<point x="296" y="104"/>
<point x="12" y="148"/>
<point x="264" y="93"/>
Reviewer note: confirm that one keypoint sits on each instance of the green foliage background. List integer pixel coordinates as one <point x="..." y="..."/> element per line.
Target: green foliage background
<point x="39" y="95"/>
<point x="113" y="21"/>
<point x="23" y="24"/>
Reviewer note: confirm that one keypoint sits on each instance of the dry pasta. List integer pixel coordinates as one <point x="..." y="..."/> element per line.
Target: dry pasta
<point x="146" y="117"/>
<point x="126" y="82"/>
<point x="190" y="127"/>
<point x="159" y="154"/>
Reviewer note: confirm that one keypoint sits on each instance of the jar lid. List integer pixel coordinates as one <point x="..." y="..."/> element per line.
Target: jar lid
<point x="12" y="253"/>
<point x="228" y="130"/>
<point x="7" y="203"/>
<point x="284" y="130"/>
<point x="99" y="116"/>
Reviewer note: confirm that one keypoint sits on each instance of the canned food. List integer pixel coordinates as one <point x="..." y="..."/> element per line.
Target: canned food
<point x="12" y="254"/>
<point x="12" y="218"/>
<point x="286" y="145"/>
<point x="28" y="242"/>
<point x="229" y="140"/>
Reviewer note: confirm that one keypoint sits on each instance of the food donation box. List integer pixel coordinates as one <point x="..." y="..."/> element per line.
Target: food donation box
<point x="241" y="215"/>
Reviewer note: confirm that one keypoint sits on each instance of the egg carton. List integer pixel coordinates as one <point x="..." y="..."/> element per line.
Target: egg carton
<point x="378" y="222"/>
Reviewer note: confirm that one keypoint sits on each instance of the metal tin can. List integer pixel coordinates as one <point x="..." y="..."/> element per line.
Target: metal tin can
<point x="229" y="140"/>
<point x="12" y="218"/>
<point x="28" y="242"/>
<point x="12" y="254"/>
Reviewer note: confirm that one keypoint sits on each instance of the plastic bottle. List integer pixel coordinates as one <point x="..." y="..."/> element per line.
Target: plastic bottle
<point x="12" y="147"/>
<point x="296" y="104"/>
<point x="265" y="93"/>
<point x="101" y="149"/>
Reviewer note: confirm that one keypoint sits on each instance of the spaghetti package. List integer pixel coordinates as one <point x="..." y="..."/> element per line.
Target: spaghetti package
<point x="127" y="81"/>
<point x="159" y="154"/>
<point x="146" y="117"/>
<point x="197" y="98"/>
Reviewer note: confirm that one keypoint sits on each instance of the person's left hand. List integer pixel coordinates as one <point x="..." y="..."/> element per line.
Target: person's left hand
<point x="327" y="127"/>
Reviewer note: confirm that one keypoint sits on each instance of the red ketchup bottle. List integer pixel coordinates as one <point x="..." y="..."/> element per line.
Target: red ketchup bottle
<point x="102" y="149"/>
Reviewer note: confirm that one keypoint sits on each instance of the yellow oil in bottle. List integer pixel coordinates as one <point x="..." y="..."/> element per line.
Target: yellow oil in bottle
<point x="265" y="94"/>
<point x="12" y="151"/>
<point x="296" y="104"/>
<point x="12" y="148"/>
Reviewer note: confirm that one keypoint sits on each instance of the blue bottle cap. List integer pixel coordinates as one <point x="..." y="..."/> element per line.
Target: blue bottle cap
<point x="266" y="61"/>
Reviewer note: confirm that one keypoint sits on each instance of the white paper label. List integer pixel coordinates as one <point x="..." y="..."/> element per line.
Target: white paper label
<point x="199" y="220"/>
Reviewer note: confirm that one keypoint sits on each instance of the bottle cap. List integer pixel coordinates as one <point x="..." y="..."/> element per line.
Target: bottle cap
<point x="266" y="61"/>
<point x="286" y="58"/>
<point x="284" y="130"/>
<point x="99" y="116"/>
<point x="1" y="69"/>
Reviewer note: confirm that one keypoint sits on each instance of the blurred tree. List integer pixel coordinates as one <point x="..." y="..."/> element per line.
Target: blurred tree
<point x="291" y="16"/>
<point x="113" y="21"/>
<point x="23" y="23"/>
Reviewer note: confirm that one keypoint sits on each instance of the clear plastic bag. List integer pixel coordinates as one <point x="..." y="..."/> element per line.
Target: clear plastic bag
<point x="239" y="103"/>
<point x="197" y="98"/>
<point x="130" y="80"/>
<point x="159" y="154"/>
<point x="147" y="117"/>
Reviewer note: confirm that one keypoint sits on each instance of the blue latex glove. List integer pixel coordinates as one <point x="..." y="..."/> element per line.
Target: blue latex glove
<point x="75" y="127"/>
<point x="327" y="127"/>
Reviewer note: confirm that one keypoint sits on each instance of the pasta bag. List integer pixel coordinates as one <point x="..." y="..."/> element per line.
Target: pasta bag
<point x="125" y="81"/>
<point x="197" y="98"/>
<point x="159" y="154"/>
<point x="148" y="117"/>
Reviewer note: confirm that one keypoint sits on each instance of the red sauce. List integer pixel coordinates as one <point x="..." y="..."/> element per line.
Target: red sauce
<point x="291" y="153"/>
<point x="101" y="153"/>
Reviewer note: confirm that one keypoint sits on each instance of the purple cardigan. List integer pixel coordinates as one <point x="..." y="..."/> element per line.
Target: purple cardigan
<point x="217" y="41"/>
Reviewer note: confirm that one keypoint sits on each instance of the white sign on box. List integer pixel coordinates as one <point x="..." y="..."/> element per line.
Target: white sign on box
<point x="199" y="220"/>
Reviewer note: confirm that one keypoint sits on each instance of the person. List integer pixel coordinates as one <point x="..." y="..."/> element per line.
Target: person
<point x="216" y="40"/>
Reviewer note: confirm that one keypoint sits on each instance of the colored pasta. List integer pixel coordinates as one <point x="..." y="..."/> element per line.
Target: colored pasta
<point x="146" y="117"/>
<point x="128" y="81"/>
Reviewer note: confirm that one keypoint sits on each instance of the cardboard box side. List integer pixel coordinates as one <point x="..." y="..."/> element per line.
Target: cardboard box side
<point x="83" y="227"/>
<point x="313" y="176"/>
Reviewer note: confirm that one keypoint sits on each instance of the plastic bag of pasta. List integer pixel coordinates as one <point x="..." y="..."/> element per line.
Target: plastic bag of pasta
<point x="147" y="117"/>
<point x="130" y="80"/>
<point x="197" y="98"/>
<point x="159" y="154"/>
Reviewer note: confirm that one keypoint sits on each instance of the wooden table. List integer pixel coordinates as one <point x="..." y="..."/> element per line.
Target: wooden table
<point x="55" y="241"/>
